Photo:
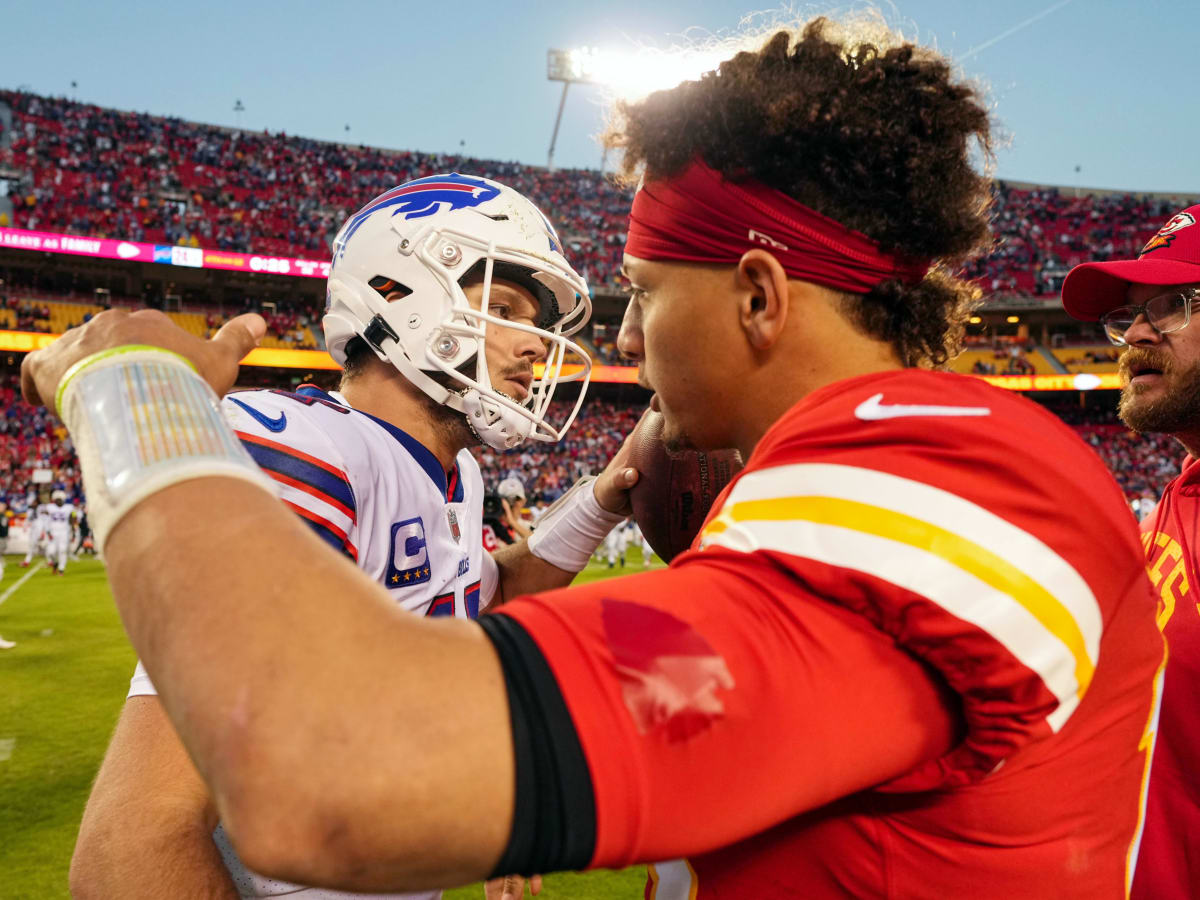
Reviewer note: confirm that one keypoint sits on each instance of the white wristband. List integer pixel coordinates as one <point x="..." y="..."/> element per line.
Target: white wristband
<point x="142" y="419"/>
<point x="571" y="529"/>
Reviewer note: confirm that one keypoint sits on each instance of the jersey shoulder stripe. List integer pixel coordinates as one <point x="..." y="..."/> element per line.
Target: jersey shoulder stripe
<point x="326" y="530"/>
<point x="975" y="565"/>
<point x="321" y="479"/>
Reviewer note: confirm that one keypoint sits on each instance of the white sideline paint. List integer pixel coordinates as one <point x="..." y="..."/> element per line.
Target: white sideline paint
<point x="20" y="581"/>
<point x="6" y="748"/>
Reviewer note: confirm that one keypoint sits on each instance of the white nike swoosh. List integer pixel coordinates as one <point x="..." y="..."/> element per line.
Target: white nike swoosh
<point x="872" y="408"/>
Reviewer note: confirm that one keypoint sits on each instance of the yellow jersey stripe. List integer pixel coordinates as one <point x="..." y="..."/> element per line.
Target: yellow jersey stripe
<point x="985" y="565"/>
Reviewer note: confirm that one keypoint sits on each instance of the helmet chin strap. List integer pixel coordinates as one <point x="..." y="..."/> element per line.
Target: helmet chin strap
<point x="492" y="422"/>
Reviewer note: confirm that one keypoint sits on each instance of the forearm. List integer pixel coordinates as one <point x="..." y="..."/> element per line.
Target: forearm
<point x="233" y="625"/>
<point x="148" y="856"/>
<point x="523" y="573"/>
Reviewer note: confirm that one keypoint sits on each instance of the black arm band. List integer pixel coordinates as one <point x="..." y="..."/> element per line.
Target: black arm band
<point x="554" y="811"/>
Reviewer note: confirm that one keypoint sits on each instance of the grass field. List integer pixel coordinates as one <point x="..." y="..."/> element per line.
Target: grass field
<point x="61" y="689"/>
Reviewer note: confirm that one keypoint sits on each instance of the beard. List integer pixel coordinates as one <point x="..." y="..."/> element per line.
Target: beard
<point x="1178" y="407"/>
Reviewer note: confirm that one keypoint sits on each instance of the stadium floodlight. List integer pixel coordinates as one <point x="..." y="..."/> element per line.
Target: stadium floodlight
<point x="628" y="74"/>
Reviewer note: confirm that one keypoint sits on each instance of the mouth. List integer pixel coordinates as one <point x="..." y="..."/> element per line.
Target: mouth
<point x="1144" y="373"/>
<point x="522" y="383"/>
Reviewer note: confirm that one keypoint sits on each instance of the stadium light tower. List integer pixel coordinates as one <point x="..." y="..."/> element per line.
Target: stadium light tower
<point x="629" y="74"/>
<point x="567" y="66"/>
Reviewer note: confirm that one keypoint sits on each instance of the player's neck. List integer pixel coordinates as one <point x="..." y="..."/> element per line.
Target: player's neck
<point x="384" y="393"/>
<point x="822" y="350"/>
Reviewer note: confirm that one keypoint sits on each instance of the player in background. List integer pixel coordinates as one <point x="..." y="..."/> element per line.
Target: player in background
<point x="1145" y="306"/>
<point x="912" y="652"/>
<point x="644" y="543"/>
<point x="59" y="519"/>
<point x="379" y="471"/>
<point x="35" y="523"/>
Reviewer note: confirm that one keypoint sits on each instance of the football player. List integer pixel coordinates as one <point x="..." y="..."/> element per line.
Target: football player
<point x="59" y="518"/>
<point x="444" y="295"/>
<point x="35" y="525"/>
<point x="912" y="652"/>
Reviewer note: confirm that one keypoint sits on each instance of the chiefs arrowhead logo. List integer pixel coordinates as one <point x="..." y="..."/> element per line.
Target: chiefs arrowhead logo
<point x="1167" y="233"/>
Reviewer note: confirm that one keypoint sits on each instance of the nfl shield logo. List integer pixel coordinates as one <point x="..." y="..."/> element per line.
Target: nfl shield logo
<point x="452" y="518"/>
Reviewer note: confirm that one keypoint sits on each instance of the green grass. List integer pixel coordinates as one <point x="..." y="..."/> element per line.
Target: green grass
<point x="61" y="690"/>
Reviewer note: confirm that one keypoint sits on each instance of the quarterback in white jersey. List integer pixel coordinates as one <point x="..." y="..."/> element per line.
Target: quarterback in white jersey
<point x="378" y="496"/>
<point x="59" y="518"/>
<point x="438" y="348"/>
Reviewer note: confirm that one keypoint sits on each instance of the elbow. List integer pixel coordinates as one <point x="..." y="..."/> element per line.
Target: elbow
<point x="280" y="840"/>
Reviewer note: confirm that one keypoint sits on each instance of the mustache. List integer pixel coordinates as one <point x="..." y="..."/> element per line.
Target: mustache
<point x="518" y="370"/>
<point x="1142" y="358"/>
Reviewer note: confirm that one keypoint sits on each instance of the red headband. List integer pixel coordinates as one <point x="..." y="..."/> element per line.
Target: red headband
<point x="699" y="216"/>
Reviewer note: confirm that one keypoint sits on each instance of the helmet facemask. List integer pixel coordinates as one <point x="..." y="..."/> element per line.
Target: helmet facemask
<point x="435" y="328"/>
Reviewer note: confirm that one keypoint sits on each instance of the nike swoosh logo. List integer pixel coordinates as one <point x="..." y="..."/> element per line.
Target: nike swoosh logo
<point x="873" y="409"/>
<point x="277" y="424"/>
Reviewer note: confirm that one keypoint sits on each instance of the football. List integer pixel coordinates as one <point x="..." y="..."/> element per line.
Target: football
<point x="675" y="490"/>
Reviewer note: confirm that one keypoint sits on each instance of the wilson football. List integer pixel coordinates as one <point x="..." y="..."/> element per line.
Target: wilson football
<point x="674" y="491"/>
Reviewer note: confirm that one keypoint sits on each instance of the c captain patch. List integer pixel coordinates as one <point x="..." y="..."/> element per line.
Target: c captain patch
<point x="408" y="559"/>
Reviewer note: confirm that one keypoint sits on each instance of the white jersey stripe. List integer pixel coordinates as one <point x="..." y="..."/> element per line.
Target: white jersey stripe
<point x="943" y="510"/>
<point x="929" y="575"/>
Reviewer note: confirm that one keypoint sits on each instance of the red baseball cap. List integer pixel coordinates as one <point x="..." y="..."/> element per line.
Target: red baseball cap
<point x="1172" y="256"/>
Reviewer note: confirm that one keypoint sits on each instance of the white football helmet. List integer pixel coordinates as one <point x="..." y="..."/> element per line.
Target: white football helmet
<point x="58" y="497"/>
<point x="421" y="238"/>
<point x="511" y="489"/>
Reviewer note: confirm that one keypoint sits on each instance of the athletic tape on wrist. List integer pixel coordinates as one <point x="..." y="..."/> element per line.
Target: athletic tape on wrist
<point x="142" y="419"/>
<point x="572" y="527"/>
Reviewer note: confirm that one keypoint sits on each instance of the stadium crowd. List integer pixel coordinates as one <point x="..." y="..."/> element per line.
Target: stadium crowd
<point x="32" y="439"/>
<point x="104" y="172"/>
<point x="77" y="167"/>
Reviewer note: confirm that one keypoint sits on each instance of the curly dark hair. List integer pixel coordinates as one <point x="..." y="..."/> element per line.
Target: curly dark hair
<point x="878" y="137"/>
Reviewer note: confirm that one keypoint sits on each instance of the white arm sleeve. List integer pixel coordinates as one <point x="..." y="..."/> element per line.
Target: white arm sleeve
<point x="140" y="684"/>
<point x="489" y="581"/>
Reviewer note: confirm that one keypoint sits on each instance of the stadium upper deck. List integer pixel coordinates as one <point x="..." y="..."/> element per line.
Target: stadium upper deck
<point x="102" y="172"/>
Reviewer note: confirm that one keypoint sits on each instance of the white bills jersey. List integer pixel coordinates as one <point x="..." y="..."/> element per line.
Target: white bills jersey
<point x="377" y="495"/>
<point x="58" y="518"/>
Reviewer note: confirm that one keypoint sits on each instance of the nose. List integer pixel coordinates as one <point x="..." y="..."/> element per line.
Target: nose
<point x="1141" y="332"/>
<point x="630" y="340"/>
<point x="530" y="346"/>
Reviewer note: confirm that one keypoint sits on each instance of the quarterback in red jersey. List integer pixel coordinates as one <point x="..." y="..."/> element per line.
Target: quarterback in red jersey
<point x="1146" y="305"/>
<point x="912" y="653"/>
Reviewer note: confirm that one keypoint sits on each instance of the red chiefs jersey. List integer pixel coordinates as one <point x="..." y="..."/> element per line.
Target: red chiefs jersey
<point x="912" y="654"/>
<point x="1168" y="866"/>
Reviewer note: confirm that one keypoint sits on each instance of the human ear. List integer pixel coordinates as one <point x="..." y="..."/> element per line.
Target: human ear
<point x="762" y="286"/>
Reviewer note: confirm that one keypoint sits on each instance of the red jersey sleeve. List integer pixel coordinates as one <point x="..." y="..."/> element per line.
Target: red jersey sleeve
<point x="720" y="679"/>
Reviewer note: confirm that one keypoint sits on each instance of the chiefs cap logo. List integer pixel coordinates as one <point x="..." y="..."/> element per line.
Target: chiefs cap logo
<point x="1167" y="233"/>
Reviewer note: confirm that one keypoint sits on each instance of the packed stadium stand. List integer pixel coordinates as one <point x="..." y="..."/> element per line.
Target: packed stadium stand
<point x="73" y="167"/>
<point x="103" y="172"/>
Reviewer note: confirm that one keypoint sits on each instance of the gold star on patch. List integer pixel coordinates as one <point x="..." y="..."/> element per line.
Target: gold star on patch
<point x="395" y="578"/>
<point x="406" y="576"/>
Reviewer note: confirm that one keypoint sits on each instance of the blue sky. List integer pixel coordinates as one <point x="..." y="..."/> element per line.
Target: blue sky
<point x="1106" y="86"/>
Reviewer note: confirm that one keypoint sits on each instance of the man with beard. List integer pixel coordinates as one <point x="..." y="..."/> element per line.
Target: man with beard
<point x="894" y="663"/>
<point x="1145" y="306"/>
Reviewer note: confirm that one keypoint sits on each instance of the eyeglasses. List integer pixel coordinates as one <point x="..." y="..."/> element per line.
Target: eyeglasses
<point x="1165" y="313"/>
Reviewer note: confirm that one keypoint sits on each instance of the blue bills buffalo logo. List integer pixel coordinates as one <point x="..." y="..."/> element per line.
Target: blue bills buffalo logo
<point x="1166" y="234"/>
<point x="424" y="197"/>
